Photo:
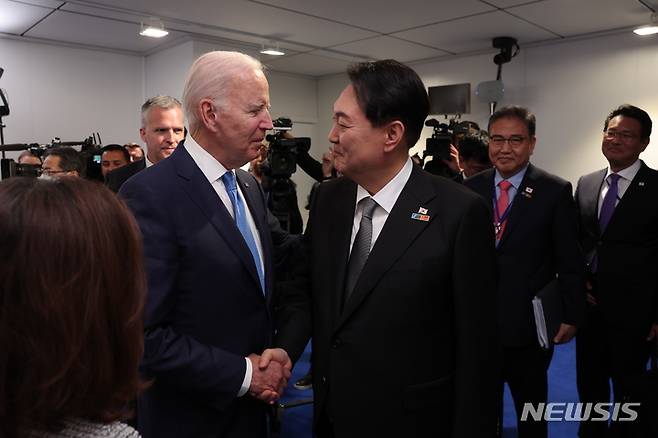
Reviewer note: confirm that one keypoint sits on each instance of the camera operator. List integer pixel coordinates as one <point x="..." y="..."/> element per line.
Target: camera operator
<point x="280" y="162"/>
<point x="113" y="156"/>
<point x="444" y="148"/>
<point x="474" y="153"/>
<point x="62" y="161"/>
<point x="29" y="157"/>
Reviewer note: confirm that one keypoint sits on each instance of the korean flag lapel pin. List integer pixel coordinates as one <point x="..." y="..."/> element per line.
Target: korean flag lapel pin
<point x="421" y="215"/>
<point x="527" y="192"/>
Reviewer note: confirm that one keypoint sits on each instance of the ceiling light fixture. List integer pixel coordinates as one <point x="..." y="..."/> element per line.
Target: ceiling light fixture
<point x="153" y="28"/>
<point x="272" y="49"/>
<point x="649" y="29"/>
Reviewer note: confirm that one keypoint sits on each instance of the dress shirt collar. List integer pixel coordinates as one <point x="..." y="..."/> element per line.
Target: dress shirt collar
<point x="628" y="173"/>
<point x="515" y="179"/>
<point x="210" y="167"/>
<point x="148" y="162"/>
<point x="389" y="194"/>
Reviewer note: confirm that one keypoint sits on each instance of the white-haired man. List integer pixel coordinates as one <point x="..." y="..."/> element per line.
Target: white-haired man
<point x="209" y="245"/>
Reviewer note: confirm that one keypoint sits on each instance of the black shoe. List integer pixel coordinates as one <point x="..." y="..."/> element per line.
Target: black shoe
<point x="305" y="382"/>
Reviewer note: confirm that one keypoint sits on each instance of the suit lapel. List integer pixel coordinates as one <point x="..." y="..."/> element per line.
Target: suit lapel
<point x="198" y="188"/>
<point x="592" y="192"/>
<point x="399" y="232"/>
<point x="632" y="196"/>
<point x="340" y="231"/>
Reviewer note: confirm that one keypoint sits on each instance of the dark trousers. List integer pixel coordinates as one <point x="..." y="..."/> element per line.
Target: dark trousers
<point x="603" y="354"/>
<point x="524" y="370"/>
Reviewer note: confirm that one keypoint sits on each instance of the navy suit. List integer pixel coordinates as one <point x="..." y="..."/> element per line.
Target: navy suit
<point x="539" y="243"/>
<point x="412" y="353"/>
<point x="612" y="343"/>
<point x="205" y="309"/>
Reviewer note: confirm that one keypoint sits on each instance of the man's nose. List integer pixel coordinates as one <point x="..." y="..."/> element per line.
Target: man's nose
<point x="333" y="137"/>
<point x="266" y="123"/>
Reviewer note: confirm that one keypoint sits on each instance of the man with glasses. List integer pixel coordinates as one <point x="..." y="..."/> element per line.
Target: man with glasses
<point x="63" y="161"/>
<point x="535" y="221"/>
<point x="618" y="213"/>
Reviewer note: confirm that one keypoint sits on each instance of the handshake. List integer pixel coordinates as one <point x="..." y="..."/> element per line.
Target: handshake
<point x="270" y="374"/>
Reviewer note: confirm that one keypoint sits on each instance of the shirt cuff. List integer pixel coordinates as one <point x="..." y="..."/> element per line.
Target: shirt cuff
<point x="246" y="383"/>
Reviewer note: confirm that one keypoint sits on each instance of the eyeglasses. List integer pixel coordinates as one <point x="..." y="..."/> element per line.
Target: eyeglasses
<point x="513" y="140"/>
<point x="623" y="136"/>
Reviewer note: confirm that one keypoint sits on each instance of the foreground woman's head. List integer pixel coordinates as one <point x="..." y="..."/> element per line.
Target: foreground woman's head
<point x="72" y="287"/>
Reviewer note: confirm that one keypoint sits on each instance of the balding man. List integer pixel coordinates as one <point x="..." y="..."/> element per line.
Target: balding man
<point x="209" y="252"/>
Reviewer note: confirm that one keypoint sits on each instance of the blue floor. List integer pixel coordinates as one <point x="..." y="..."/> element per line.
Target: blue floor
<point x="296" y="422"/>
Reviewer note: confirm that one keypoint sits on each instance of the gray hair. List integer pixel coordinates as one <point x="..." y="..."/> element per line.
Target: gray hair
<point x="210" y="77"/>
<point x="164" y="102"/>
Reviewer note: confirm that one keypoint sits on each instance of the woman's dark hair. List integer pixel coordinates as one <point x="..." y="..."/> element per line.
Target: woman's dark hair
<point x="72" y="288"/>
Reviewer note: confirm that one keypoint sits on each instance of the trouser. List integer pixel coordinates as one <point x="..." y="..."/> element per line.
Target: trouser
<point x="603" y="354"/>
<point x="524" y="370"/>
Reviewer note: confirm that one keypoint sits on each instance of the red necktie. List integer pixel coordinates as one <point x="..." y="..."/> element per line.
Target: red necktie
<point x="501" y="207"/>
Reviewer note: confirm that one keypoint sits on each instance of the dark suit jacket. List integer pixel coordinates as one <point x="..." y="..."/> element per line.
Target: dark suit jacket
<point x="115" y="179"/>
<point x="411" y="353"/>
<point x="540" y="242"/>
<point x="205" y="310"/>
<point x="627" y="283"/>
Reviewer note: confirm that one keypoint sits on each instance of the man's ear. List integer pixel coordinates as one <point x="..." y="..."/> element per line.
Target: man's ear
<point x="208" y="114"/>
<point x="394" y="132"/>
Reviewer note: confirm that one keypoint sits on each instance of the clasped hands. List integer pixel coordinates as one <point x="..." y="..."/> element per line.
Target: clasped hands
<point x="270" y="373"/>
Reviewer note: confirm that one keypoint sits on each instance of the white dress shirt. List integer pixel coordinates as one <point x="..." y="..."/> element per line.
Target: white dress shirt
<point x="213" y="171"/>
<point x="623" y="183"/>
<point x="385" y="198"/>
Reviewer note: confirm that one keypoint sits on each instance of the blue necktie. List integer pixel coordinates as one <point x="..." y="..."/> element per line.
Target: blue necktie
<point x="609" y="202"/>
<point x="607" y="209"/>
<point x="241" y="221"/>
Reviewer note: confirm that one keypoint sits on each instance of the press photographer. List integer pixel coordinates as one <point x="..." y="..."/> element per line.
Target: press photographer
<point x="277" y="167"/>
<point x="85" y="163"/>
<point x="443" y="147"/>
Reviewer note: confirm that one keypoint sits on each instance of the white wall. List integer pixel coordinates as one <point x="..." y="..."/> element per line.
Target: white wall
<point x="166" y="70"/>
<point x="570" y="86"/>
<point x="57" y="91"/>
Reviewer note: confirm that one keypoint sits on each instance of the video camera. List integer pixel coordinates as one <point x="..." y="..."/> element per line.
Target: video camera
<point x="90" y="154"/>
<point x="438" y="145"/>
<point x="282" y="153"/>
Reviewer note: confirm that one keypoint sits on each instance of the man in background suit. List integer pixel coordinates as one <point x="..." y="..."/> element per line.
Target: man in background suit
<point x="163" y="127"/>
<point x="536" y="241"/>
<point x="618" y="209"/>
<point x="403" y="333"/>
<point x="209" y="252"/>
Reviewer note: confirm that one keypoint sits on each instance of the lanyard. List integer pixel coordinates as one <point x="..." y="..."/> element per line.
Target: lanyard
<point x="498" y="219"/>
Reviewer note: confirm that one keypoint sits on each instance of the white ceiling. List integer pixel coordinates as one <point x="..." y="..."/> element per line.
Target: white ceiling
<point x="321" y="37"/>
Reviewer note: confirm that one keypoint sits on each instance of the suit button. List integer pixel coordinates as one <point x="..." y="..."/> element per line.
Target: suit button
<point x="336" y="343"/>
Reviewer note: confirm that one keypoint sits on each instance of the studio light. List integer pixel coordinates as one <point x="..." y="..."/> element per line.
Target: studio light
<point x="648" y="29"/>
<point x="272" y="50"/>
<point x="153" y="28"/>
